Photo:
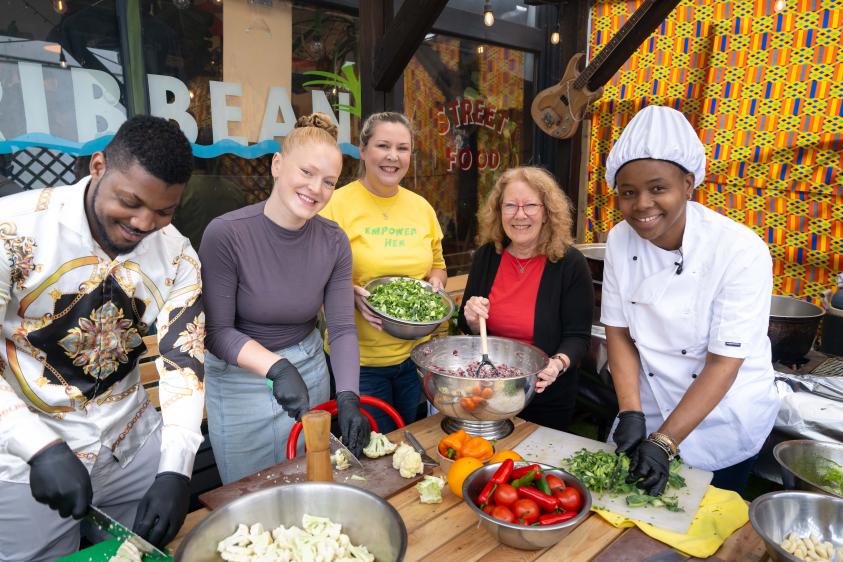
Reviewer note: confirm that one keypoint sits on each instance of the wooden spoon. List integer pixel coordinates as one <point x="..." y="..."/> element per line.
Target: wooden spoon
<point x="317" y="426"/>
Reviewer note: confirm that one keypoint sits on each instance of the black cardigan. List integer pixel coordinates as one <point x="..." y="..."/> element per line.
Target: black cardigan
<point x="564" y="311"/>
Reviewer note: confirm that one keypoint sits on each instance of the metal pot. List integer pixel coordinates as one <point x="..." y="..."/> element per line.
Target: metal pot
<point x="793" y="327"/>
<point x="595" y="254"/>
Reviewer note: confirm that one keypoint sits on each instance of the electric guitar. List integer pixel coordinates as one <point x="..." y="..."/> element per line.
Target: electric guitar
<point x="559" y="109"/>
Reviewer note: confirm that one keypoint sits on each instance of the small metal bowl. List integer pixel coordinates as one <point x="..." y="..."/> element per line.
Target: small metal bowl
<point x="801" y="463"/>
<point x="405" y="329"/>
<point x="777" y="514"/>
<point x="521" y="536"/>
<point x="382" y="530"/>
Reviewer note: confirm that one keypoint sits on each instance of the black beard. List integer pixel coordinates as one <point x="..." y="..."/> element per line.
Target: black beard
<point x="108" y="244"/>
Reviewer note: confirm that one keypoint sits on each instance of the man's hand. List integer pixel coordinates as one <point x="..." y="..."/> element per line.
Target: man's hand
<point x="59" y="479"/>
<point x="353" y="424"/>
<point x="162" y="510"/>
<point x="289" y="388"/>
<point x="650" y="467"/>
<point x="631" y="430"/>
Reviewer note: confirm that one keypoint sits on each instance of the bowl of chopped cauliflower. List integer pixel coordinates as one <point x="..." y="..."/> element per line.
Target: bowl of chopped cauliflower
<point x="303" y="521"/>
<point x="408" y="308"/>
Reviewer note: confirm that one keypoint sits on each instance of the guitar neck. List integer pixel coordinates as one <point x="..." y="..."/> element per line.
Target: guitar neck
<point x="634" y="31"/>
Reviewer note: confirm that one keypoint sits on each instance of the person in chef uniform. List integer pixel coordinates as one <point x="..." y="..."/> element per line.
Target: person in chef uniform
<point x="686" y="302"/>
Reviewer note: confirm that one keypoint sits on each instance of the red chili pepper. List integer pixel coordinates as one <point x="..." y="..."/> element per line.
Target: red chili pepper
<point x="546" y="502"/>
<point x="486" y="493"/>
<point x="523" y="471"/>
<point x="503" y="473"/>
<point x="554" y="518"/>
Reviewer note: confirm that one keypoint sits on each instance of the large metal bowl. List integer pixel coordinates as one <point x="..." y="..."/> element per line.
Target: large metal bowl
<point x="381" y="530"/>
<point x="793" y="327"/>
<point x="777" y="514"/>
<point x="404" y="329"/>
<point x="802" y="463"/>
<point x="520" y="536"/>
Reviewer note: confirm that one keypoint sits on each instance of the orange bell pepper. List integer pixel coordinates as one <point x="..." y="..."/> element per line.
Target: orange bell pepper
<point x="477" y="447"/>
<point x="451" y="445"/>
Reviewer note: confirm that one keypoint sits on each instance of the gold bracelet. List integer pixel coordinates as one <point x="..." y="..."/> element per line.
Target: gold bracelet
<point x="666" y="441"/>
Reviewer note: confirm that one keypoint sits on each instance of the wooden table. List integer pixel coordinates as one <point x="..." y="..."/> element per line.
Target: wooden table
<point x="449" y="531"/>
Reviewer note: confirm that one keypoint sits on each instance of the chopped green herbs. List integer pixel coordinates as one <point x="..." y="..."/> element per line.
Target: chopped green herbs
<point x="831" y="475"/>
<point x="605" y="472"/>
<point x="409" y="300"/>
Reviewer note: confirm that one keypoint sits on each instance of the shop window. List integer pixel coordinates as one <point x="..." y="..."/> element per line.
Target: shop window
<point x="61" y="86"/>
<point x="469" y="103"/>
<point x="236" y="75"/>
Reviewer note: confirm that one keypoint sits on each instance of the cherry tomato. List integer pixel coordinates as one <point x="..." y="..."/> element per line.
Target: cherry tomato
<point x="503" y="513"/>
<point x="570" y="499"/>
<point x="525" y="509"/>
<point x="489" y="508"/>
<point x="555" y="483"/>
<point x="505" y="494"/>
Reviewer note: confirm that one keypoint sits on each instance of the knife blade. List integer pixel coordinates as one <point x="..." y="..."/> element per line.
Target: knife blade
<point x="117" y="530"/>
<point x="336" y="445"/>
<point x="426" y="459"/>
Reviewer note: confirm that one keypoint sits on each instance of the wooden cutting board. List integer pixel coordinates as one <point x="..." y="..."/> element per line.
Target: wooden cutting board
<point x="550" y="446"/>
<point x="380" y="478"/>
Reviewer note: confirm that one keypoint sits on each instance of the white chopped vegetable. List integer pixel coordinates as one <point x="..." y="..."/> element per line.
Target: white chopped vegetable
<point x="127" y="552"/>
<point x="358" y="477"/>
<point x="810" y="549"/>
<point x="407" y="461"/>
<point x="320" y="540"/>
<point x="430" y="489"/>
<point x="339" y="460"/>
<point x="379" y="446"/>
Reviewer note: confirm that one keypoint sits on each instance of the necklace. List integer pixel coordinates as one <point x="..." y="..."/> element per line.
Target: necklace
<point x="376" y="199"/>
<point x="522" y="267"/>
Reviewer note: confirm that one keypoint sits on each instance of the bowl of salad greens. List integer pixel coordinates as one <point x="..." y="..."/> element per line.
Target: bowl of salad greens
<point x="409" y="308"/>
<point x="815" y="466"/>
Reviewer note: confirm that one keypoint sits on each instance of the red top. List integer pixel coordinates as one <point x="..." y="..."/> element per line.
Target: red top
<point x="512" y="300"/>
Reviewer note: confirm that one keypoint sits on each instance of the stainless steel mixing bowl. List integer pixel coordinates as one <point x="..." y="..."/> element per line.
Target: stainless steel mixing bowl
<point x="382" y="530"/>
<point x="777" y="514"/>
<point x="803" y="462"/>
<point x="519" y="536"/>
<point x="468" y="400"/>
<point x="404" y="329"/>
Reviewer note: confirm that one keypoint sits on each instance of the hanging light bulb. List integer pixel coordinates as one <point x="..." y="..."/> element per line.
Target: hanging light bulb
<point x="779" y="6"/>
<point x="480" y="49"/>
<point x="488" y="14"/>
<point x="60" y="6"/>
<point x="554" y="37"/>
<point x="62" y="60"/>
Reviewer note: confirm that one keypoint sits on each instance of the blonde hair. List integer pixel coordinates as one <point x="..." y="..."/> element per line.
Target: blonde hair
<point x="367" y="130"/>
<point x="316" y="127"/>
<point x="555" y="236"/>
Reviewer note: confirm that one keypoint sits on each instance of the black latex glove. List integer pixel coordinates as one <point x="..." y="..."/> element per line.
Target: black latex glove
<point x="163" y="508"/>
<point x="631" y="430"/>
<point x="59" y="479"/>
<point x="289" y="388"/>
<point x="353" y="424"/>
<point x="650" y="468"/>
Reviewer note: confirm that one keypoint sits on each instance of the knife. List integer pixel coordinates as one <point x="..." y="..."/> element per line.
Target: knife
<point x="116" y="529"/>
<point x="426" y="459"/>
<point x="337" y="445"/>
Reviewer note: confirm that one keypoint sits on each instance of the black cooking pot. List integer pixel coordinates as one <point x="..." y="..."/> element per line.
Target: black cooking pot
<point x="793" y="327"/>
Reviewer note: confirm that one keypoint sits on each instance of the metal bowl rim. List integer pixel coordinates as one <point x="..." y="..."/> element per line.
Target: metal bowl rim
<point x="474" y="338"/>
<point x="422" y="282"/>
<point x="402" y="548"/>
<point x="770" y="496"/>
<point x="802" y="442"/>
<point x="572" y="522"/>
<point x="819" y="314"/>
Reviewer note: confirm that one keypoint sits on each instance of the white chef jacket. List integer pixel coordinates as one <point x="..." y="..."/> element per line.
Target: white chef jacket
<point x="71" y="327"/>
<point x="720" y="302"/>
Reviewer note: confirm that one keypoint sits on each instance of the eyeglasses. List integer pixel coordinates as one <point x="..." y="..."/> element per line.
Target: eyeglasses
<point x="530" y="209"/>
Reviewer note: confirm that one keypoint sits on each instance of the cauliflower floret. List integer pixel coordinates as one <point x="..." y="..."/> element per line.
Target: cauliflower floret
<point x="339" y="460"/>
<point x="430" y="489"/>
<point x="379" y="446"/>
<point x="407" y="461"/>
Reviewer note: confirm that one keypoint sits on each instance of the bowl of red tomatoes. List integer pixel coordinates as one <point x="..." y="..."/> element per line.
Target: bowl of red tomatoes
<point x="526" y="505"/>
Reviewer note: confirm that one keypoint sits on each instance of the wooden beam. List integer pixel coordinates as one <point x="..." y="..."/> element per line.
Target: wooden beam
<point x="375" y="16"/>
<point x="401" y="39"/>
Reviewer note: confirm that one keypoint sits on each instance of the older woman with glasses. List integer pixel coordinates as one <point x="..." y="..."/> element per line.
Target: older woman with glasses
<point x="532" y="285"/>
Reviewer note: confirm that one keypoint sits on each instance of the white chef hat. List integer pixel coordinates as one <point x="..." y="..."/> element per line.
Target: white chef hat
<point x="660" y="133"/>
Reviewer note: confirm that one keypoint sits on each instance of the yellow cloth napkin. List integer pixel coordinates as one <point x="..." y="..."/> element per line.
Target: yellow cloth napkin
<point x="721" y="513"/>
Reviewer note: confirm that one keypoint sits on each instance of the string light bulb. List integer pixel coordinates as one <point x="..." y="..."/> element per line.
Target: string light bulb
<point x="554" y="37"/>
<point x="480" y="49"/>
<point x="62" y="59"/>
<point x="779" y="6"/>
<point x="60" y="6"/>
<point x="488" y="14"/>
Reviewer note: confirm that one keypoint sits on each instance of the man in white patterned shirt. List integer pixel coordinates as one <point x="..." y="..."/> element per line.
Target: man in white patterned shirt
<point x="85" y="270"/>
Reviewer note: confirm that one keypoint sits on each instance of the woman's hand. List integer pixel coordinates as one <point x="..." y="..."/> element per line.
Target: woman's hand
<point x="476" y="308"/>
<point x="437" y="279"/>
<point x="360" y="295"/>
<point x="555" y="367"/>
